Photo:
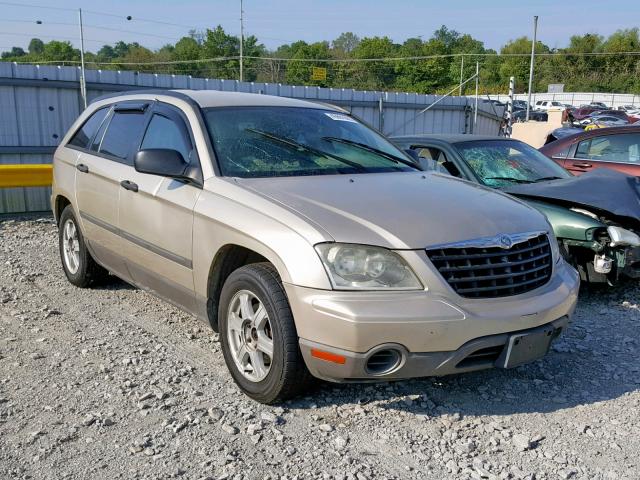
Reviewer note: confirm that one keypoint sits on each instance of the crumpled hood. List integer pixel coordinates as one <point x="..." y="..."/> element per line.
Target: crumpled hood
<point x="606" y="191"/>
<point x="401" y="210"/>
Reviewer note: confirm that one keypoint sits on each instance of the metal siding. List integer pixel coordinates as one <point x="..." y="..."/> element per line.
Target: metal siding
<point x="27" y="120"/>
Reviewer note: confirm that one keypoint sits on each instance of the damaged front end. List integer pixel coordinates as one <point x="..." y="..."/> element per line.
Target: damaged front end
<point x="602" y="250"/>
<point x="596" y="218"/>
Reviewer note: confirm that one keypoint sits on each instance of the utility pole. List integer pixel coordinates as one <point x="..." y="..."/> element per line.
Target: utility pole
<point x="475" y="113"/>
<point x="83" y="80"/>
<point x="533" y="56"/>
<point x="241" y="42"/>
<point x="461" y="73"/>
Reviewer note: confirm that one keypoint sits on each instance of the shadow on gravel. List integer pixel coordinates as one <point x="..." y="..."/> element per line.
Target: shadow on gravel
<point x="596" y="360"/>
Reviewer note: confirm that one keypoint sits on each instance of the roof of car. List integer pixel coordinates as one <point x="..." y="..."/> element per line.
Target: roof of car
<point x="596" y="132"/>
<point x="216" y="98"/>
<point x="448" y="138"/>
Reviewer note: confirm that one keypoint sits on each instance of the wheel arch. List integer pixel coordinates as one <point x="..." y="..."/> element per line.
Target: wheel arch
<point x="227" y="259"/>
<point x="61" y="202"/>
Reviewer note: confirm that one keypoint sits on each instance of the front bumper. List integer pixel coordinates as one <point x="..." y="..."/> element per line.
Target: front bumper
<point x="427" y="327"/>
<point x="478" y="354"/>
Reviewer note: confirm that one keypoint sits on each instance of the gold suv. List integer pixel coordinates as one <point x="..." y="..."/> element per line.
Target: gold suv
<point x="309" y="241"/>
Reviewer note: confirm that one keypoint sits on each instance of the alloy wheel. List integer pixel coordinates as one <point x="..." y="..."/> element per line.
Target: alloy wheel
<point x="250" y="335"/>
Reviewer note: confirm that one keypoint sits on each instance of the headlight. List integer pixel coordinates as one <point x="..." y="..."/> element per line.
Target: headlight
<point x="360" y="267"/>
<point x="621" y="236"/>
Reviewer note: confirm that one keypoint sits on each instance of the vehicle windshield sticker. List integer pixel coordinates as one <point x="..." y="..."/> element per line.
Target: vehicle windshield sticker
<point x="341" y="117"/>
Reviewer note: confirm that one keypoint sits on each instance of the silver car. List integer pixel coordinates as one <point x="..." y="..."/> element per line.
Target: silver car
<point x="311" y="243"/>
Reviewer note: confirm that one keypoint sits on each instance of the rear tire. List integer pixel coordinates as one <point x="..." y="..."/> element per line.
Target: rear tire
<point x="78" y="264"/>
<point x="258" y="335"/>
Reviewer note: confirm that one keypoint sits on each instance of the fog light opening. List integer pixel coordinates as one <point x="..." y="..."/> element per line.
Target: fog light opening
<point x="383" y="361"/>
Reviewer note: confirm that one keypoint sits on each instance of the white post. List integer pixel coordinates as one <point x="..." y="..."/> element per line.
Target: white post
<point x="533" y="55"/>
<point x="512" y="81"/>
<point x="83" y="82"/>
<point x="475" y="113"/>
<point x="241" y="42"/>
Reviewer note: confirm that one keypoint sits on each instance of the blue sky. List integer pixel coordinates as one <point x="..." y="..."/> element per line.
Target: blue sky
<point x="282" y="21"/>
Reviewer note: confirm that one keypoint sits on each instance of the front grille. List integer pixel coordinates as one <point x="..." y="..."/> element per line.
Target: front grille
<point x="490" y="272"/>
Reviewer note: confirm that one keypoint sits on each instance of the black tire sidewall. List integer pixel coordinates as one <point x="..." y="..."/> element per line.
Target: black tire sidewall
<point x="267" y="390"/>
<point x="80" y="277"/>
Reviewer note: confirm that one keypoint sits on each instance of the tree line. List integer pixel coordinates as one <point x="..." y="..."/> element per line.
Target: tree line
<point x="590" y="62"/>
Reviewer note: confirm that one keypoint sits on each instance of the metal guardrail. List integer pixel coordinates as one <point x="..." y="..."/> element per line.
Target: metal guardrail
<point x="26" y="175"/>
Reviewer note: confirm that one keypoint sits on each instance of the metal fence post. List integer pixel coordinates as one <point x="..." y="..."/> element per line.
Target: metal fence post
<point x="512" y="81"/>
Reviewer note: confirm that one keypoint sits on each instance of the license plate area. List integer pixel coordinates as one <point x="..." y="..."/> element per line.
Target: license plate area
<point x="527" y="347"/>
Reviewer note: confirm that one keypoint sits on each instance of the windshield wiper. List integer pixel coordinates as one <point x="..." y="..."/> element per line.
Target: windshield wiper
<point x="371" y="149"/>
<point x="543" y="179"/>
<point x="510" y="179"/>
<point x="305" y="148"/>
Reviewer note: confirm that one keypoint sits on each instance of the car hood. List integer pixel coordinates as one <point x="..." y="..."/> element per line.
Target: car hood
<point x="403" y="210"/>
<point x="613" y="194"/>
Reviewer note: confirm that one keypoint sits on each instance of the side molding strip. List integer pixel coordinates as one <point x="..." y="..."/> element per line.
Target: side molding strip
<point x="185" y="262"/>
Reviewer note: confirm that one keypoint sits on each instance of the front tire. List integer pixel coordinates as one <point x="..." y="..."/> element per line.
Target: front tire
<point x="258" y="335"/>
<point x="78" y="264"/>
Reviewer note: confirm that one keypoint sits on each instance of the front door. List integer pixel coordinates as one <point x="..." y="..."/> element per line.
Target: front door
<point x="100" y="167"/>
<point x="156" y="214"/>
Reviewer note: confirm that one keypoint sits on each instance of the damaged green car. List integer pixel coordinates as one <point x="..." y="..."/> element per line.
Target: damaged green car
<point x="595" y="217"/>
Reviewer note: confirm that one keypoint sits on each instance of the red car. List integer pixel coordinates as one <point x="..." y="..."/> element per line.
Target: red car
<point x="617" y="148"/>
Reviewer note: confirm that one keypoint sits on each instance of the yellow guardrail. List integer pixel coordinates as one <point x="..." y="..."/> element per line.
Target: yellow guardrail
<point x="27" y="175"/>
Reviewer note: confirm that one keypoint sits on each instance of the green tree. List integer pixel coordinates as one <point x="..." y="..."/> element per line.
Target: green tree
<point x="36" y="46"/>
<point x="15" y="52"/>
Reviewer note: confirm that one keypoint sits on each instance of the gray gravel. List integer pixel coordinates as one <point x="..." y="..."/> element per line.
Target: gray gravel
<point x="113" y="383"/>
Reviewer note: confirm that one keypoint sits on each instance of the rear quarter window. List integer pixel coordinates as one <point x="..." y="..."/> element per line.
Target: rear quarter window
<point x="85" y="133"/>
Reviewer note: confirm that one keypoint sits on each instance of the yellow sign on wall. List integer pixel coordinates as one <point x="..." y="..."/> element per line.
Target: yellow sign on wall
<point x="318" y="73"/>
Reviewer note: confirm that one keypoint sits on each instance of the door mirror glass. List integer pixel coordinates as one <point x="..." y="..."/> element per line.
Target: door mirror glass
<point x="161" y="161"/>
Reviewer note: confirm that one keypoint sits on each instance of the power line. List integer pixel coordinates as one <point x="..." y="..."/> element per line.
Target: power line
<point x="54" y="37"/>
<point x="93" y="26"/>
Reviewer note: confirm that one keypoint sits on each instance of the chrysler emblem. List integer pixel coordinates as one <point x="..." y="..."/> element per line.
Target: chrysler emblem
<point x="505" y="241"/>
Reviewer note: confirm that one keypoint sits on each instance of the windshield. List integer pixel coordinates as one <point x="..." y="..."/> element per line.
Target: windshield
<point x="498" y="163"/>
<point x="292" y="141"/>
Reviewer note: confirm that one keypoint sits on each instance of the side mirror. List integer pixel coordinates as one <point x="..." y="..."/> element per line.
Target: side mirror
<point x="161" y="161"/>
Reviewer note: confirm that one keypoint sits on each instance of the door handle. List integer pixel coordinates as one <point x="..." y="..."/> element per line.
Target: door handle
<point x="82" y="167"/>
<point x="127" y="185"/>
<point x="582" y="165"/>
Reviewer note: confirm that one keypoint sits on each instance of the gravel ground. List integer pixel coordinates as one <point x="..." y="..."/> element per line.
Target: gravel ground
<point x="113" y="383"/>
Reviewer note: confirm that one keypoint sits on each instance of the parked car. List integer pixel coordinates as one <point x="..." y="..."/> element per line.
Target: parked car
<point x="627" y="116"/>
<point x="519" y="105"/>
<point x="599" y="105"/>
<point x="535" y="115"/>
<point x="628" y="108"/>
<point x="302" y="236"/>
<point x="584" y="111"/>
<point x="608" y="120"/>
<point x="548" y="105"/>
<point x="616" y="148"/>
<point x="589" y="215"/>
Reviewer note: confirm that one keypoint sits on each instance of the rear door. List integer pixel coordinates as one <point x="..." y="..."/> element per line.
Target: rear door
<point x="617" y="152"/>
<point x="100" y="167"/>
<point x="156" y="214"/>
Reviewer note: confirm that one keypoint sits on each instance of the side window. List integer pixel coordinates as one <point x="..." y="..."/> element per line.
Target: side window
<point x="437" y="160"/>
<point x="163" y="132"/>
<point x="82" y="137"/>
<point x="123" y="131"/>
<point x="623" y="148"/>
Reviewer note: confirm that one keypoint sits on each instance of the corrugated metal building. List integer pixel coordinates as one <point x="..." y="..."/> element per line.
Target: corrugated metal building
<point x="39" y="103"/>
